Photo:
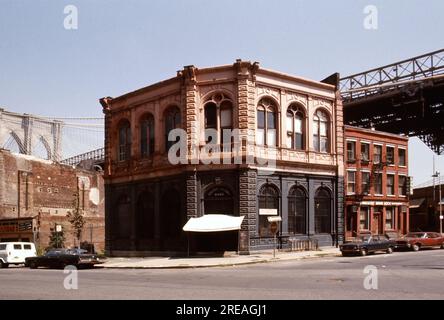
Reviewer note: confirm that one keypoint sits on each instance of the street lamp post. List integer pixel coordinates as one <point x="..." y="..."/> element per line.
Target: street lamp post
<point x="437" y="175"/>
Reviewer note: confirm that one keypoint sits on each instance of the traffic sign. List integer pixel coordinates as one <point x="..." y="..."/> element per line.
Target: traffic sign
<point x="274" y="227"/>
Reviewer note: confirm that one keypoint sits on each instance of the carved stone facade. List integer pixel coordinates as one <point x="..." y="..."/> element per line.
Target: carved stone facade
<point x="231" y="96"/>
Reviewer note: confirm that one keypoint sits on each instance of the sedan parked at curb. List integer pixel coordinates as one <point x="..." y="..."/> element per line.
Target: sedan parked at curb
<point x="368" y="244"/>
<point x="60" y="258"/>
<point x="417" y="240"/>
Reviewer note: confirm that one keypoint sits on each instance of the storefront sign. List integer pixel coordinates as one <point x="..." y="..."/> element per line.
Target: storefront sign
<point x="381" y="203"/>
<point x="268" y="212"/>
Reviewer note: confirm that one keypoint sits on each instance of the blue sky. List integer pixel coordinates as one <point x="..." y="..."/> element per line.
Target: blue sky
<point x="124" y="45"/>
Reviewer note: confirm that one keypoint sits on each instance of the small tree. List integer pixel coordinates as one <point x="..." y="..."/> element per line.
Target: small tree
<point x="56" y="239"/>
<point x="75" y="217"/>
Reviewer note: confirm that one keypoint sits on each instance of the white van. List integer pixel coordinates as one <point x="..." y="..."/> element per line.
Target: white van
<point x="15" y="252"/>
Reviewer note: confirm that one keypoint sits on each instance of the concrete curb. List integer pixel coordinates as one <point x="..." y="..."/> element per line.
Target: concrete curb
<point x="267" y="260"/>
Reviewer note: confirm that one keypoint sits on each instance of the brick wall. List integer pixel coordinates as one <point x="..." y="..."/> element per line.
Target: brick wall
<point x="45" y="191"/>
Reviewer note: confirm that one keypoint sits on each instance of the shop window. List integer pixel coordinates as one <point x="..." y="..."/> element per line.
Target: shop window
<point x="389" y="218"/>
<point x="268" y="200"/>
<point x="364" y="218"/>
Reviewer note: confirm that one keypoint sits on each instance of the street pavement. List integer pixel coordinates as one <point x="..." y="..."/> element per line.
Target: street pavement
<point x="404" y="275"/>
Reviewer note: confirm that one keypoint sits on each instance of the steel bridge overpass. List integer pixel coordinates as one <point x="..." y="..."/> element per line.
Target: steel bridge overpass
<point x="405" y="97"/>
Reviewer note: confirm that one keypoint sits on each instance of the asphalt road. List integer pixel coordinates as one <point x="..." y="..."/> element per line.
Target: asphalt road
<point x="406" y="275"/>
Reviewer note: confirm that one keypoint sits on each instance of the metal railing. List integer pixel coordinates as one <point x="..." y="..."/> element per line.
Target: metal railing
<point x="96" y="155"/>
<point x="304" y="245"/>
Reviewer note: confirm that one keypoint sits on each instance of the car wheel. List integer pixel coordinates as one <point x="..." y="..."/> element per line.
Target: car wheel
<point x="415" y="247"/>
<point x="345" y="254"/>
<point x="32" y="265"/>
<point x="363" y="252"/>
<point x="389" y="250"/>
<point x="442" y="246"/>
<point x="4" y="265"/>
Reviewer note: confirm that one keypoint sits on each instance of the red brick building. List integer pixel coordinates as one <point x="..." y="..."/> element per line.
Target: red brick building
<point x="376" y="180"/>
<point x="36" y="194"/>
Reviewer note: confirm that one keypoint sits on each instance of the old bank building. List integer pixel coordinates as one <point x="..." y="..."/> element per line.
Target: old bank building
<point x="295" y="121"/>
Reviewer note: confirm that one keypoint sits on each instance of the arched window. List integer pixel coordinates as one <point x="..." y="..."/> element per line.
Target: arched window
<point x="219" y="116"/>
<point x="122" y="223"/>
<point x="145" y="216"/>
<point x="295" y="128"/>
<point x="297" y="211"/>
<point x="172" y="121"/>
<point x="268" y="205"/>
<point x="320" y="131"/>
<point x="124" y="141"/>
<point x="147" y="136"/>
<point x="322" y="211"/>
<point x="266" y="123"/>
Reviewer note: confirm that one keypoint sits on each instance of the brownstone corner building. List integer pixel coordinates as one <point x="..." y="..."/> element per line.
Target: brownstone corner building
<point x="294" y="121"/>
<point x="376" y="183"/>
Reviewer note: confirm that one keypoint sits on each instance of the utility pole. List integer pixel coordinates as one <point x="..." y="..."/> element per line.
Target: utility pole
<point x="438" y="175"/>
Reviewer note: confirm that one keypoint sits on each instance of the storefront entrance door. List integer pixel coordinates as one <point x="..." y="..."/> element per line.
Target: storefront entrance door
<point x="376" y="226"/>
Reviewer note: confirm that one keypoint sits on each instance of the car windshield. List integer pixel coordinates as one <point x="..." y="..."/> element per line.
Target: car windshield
<point x="415" y="235"/>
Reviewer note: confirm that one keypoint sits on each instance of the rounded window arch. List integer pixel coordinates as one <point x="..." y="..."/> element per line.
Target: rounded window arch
<point x="297" y="210"/>
<point x="295" y="126"/>
<point x="266" y="132"/>
<point x="268" y="200"/>
<point x="218" y="111"/>
<point x="147" y="135"/>
<point x="124" y="139"/>
<point x="323" y="214"/>
<point x="172" y="121"/>
<point x="321" y="134"/>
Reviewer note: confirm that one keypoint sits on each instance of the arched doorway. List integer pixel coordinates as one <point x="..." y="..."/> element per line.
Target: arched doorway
<point x="219" y="200"/>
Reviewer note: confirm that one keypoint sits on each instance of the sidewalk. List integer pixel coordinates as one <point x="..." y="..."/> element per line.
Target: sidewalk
<point x="205" y="262"/>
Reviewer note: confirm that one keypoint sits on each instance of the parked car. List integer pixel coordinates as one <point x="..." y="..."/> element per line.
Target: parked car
<point x="15" y="253"/>
<point x="417" y="240"/>
<point x="60" y="258"/>
<point x="368" y="244"/>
